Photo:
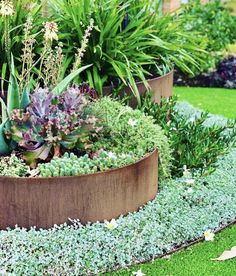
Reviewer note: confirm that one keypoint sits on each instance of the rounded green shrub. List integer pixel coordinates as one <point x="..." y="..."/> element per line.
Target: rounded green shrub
<point x="126" y="130"/>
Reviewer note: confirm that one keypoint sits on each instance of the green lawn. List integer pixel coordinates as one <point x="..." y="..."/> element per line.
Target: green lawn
<point x="214" y="100"/>
<point x="196" y="260"/>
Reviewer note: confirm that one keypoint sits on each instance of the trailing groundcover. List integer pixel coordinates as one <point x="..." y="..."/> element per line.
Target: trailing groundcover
<point x="183" y="210"/>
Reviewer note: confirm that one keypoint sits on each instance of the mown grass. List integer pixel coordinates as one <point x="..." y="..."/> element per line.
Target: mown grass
<point x="197" y="260"/>
<point x="214" y="100"/>
<point x="193" y="261"/>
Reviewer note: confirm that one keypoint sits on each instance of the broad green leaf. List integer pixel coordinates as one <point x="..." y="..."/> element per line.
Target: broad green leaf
<point x="4" y="148"/>
<point x="25" y="99"/>
<point x="4" y="110"/>
<point x="64" y="83"/>
<point x="13" y="94"/>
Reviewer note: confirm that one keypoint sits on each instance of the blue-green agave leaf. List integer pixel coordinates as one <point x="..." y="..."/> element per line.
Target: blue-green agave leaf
<point x="65" y="82"/>
<point x="13" y="95"/>
<point x="4" y="148"/>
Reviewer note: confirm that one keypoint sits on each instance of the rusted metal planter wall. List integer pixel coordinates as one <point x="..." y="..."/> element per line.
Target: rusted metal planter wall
<point x="161" y="87"/>
<point x="43" y="202"/>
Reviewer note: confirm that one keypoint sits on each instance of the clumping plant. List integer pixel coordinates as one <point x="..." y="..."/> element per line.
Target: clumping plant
<point x="52" y="124"/>
<point x="13" y="166"/>
<point x="127" y="130"/>
<point x="70" y="164"/>
<point x="194" y="143"/>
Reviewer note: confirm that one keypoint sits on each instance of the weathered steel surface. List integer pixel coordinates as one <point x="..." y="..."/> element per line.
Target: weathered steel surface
<point x="161" y="87"/>
<point x="43" y="202"/>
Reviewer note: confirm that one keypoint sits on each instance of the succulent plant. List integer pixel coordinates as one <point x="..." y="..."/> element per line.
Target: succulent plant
<point x="13" y="166"/>
<point x="52" y="124"/>
<point x="70" y="164"/>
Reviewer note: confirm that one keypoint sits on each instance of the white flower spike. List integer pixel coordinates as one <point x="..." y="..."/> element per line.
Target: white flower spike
<point x="6" y="8"/>
<point x="132" y="122"/>
<point x="209" y="235"/>
<point x="51" y="30"/>
<point x="139" y="273"/>
<point x="111" y="225"/>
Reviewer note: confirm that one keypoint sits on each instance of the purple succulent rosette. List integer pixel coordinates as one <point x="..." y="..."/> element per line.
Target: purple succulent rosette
<point x="52" y="123"/>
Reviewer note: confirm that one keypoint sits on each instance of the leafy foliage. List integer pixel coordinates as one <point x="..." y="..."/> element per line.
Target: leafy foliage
<point x="126" y="130"/>
<point x="51" y="124"/>
<point x="194" y="144"/>
<point x="130" y="41"/>
<point x="13" y="166"/>
<point x="70" y="164"/>
<point x="213" y="21"/>
<point x="15" y="32"/>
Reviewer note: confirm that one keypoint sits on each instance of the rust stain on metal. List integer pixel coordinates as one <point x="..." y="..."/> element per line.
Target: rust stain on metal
<point x="43" y="202"/>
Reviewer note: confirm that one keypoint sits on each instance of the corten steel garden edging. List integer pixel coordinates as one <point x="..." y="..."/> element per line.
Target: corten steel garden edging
<point x="162" y="87"/>
<point x="43" y="202"/>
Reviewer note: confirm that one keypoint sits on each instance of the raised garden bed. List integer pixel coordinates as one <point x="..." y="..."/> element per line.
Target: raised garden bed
<point x="43" y="202"/>
<point x="162" y="87"/>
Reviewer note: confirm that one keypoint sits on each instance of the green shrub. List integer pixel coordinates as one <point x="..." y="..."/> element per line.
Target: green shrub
<point x="127" y="130"/>
<point x="213" y="21"/>
<point x="194" y="144"/>
<point x="70" y="164"/>
<point x="13" y="166"/>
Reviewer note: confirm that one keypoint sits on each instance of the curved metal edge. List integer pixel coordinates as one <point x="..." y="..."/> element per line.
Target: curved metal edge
<point x="111" y="87"/>
<point x="178" y="248"/>
<point x="83" y="175"/>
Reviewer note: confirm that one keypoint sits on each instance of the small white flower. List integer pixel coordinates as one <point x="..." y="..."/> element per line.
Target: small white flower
<point x="111" y="155"/>
<point x="209" y="235"/>
<point x="132" y="122"/>
<point x="190" y="190"/>
<point x="186" y="172"/>
<point x="138" y="273"/>
<point x="111" y="225"/>
<point x="190" y="181"/>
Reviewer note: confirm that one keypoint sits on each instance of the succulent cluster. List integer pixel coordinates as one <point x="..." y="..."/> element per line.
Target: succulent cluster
<point x="70" y="164"/>
<point x="13" y="166"/>
<point x="52" y="124"/>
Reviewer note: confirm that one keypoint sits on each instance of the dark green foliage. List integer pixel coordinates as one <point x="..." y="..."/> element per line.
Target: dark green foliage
<point x="147" y="45"/>
<point x="194" y="144"/>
